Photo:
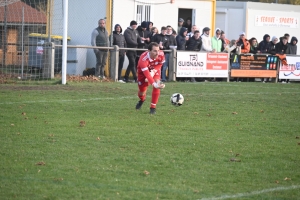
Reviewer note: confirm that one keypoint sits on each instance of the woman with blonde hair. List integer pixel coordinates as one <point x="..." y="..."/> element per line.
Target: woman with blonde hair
<point x="153" y="32"/>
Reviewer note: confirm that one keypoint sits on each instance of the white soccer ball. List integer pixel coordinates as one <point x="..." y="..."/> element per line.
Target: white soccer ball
<point x="177" y="99"/>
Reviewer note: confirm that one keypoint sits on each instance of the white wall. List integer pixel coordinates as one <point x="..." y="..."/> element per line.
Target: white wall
<point x="260" y="31"/>
<point x="241" y="16"/>
<point x="162" y="14"/>
<point x="83" y="18"/>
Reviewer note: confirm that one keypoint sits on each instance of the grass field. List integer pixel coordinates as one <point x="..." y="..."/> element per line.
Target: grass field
<point x="87" y="141"/>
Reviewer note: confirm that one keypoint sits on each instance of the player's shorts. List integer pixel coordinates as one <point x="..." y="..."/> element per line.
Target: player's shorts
<point x="143" y="82"/>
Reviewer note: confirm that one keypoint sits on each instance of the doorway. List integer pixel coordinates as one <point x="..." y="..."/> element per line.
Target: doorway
<point x="186" y="14"/>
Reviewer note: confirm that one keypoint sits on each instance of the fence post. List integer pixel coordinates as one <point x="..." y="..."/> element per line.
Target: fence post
<point x="114" y="63"/>
<point x="48" y="67"/>
<point x="229" y="67"/>
<point x="172" y="65"/>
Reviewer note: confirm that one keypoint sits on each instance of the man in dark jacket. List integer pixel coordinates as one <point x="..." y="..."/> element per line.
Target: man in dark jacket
<point x="145" y="39"/>
<point x="194" y="43"/>
<point x="281" y="46"/>
<point x="181" y="38"/>
<point x="100" y="39"/>
<point x="164" y="44"/>
<point x="119" y="40"/>
<point x="132" y="40"/>
<point x="264" y="45"/>
<point x="292" y="46"/>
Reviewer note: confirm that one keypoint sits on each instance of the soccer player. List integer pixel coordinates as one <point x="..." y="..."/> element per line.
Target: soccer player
<point x="149" y="71"/>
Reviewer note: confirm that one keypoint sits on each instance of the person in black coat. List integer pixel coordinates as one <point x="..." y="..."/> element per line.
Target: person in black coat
<point x="119" y="40"/>
<point x="181" y="39"/>
<point x="194" y="43"/>
<point x="265" y="44"/>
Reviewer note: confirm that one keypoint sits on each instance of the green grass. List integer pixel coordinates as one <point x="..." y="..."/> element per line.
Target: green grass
<point x="186" y="150"/>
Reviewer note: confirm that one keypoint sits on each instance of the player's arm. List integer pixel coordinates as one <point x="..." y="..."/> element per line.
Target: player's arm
<point x="144" y="68"/>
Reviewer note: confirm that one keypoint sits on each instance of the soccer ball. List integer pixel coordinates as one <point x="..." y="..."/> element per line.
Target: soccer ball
<point x="177" y="99"/>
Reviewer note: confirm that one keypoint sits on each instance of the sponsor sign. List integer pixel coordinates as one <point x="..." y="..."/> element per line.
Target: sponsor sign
<point x="291" y="70"/>
<point x="196" y="64"/>
<point x="275" y="21"/>
<point x="39" y="48"/>
<point x="254" y="66"/>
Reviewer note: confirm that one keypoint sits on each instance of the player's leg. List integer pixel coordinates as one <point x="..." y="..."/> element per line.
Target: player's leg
<point x="141" y="94"/>
<point x="155" y="96"/>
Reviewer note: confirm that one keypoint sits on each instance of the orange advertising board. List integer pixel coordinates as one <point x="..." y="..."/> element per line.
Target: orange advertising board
<point x="253" y="73"/>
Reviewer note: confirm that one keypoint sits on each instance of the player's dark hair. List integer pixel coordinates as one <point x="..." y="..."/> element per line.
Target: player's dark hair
<point x="151" y="45"/>
<point x="286" y="35"/>
<point x="196" y="32"/>
<point x="163" y="28"/>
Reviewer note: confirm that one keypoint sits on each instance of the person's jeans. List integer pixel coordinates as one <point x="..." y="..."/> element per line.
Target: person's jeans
<point x="165" y="67"/>
<point x="101" y="57"/>
<point x="121" y="62"/>
<point x="131" y="55"/>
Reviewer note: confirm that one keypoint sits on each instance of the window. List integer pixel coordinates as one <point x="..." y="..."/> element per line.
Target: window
<point x="143" y="13"/>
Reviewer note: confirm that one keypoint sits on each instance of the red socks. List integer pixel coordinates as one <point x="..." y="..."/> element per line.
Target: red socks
<point x="155" y="96"/>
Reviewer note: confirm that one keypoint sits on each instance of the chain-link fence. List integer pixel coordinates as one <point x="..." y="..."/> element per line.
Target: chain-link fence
<point x="28" y="27"/>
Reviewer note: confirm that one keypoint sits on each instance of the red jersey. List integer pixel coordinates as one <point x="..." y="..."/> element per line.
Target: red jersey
<point x="148" y="68"/>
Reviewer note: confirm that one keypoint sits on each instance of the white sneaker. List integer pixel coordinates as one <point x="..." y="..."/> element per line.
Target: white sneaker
<point x="283" y="82"/>
<point x="264" y="81"/>
<point x="121" y="81"/>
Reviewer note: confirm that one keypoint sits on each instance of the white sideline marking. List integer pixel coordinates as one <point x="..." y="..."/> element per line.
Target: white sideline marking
<point x="252" y="193"/>
<point x="134" y="97"/>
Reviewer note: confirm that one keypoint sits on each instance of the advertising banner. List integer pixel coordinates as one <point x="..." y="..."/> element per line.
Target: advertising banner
<point x="197" y="64"/>
<point x="276" y="21"/>
<point x="255" y="66"/>
<point x="291" y="70"/>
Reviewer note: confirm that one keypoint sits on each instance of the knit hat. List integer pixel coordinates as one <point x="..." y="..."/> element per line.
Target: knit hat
<point x="180" y="20"/>
<point x="133" y="23"/>
<point x="242" y="33"/>
<point x="144" y="24"/>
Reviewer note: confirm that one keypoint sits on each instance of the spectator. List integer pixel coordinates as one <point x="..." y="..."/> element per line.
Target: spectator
<point x="181" y="39"/>
<point x="264" y="45"/>
<point x="180" y="23"/>
<point x="119" y="40"/>
<point x="132" y="39"/>
<point x="287" y="37"/>
<point x="243" y="43"/>
<point x="206" y="41"/>
<point x="272" y="48"/>
<point x="153" y="32"/>
<point x="281" y="48"/>
<point x="161" y="39"/>
<point x="145" y="39"/>
<point x="216" y="42"/>
<point x="150" y="25"/>
<point x="292" y="47"/>
<point x="174" y="33"/>
<point x="188" y="25"/>
<point x="194" y="44"/>
<point x="194" y="28"/>
<point x="100" y="39"/>
<point x="169" y="34"/>
<point x="171" y="43"/>
<point x="254" y="46"/>
<point x="225" y="42"/>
